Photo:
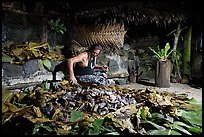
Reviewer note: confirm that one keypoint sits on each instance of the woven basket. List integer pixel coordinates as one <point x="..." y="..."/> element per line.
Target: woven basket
<point x="108" y="36"/>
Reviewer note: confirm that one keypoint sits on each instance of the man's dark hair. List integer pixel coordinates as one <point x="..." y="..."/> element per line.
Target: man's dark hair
<point x="95" y="47"/>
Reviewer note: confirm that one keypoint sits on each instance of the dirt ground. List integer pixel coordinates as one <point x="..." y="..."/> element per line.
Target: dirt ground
<point x="174" y="87"/>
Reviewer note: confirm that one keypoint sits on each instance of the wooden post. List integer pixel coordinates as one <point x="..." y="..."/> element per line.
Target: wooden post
<point x="162" y="76"/>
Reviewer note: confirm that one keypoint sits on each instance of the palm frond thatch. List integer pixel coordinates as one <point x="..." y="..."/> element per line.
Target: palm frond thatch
<point x="136" y="13"/>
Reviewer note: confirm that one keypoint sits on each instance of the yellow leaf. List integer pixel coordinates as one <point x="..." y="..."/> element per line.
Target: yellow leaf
<point x="12" y="107"/>
<point x="64" y="82"/>
<point x="7" y="95"/>
<point x="17" y="51"/>
<point x="5" y="108"/>
<point x="20" y="96"/>
<point x="35" y="53"/>
<point x="55" y="114"/>
<point x="32" y="44"/>
<point x="58" y="50"/>
<point x="62" y="131"/>
<point x="41" y="120"/>
<point x="37" y="111"/>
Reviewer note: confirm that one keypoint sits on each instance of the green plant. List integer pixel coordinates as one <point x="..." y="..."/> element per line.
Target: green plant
<point x="42" y="127"/>
<point x="162" y="54"/>
<point x="100" y="126"/>
<point x="57" y="26"/>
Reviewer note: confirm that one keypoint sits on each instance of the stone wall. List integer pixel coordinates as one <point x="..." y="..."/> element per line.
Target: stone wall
<point x="121" y="64"/>
<point x="31" y="71"/>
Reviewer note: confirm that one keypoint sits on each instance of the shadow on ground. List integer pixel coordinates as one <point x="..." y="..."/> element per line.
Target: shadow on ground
<point x="196" y="82"/>
<point x="146" y="82"/>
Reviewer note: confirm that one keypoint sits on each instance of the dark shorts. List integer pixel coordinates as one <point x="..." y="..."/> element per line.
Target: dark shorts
<point x="98" y="77"/>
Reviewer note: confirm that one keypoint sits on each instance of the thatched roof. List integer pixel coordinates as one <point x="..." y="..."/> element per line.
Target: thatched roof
<point x="134" y="12"/>
<point x="100" y="12"/>
<point x="89" y="31"/>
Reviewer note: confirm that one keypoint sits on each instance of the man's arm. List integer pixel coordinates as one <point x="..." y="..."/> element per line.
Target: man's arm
<point x="98" y="66"/>
<point x="72" y="61"/>
<point x="104" y="68"/>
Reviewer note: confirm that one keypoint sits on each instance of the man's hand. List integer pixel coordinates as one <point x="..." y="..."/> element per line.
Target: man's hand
<point x="72" y="80"/>
<point x="105" y="68"/>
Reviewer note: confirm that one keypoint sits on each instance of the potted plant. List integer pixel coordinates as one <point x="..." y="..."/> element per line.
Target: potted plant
<point x="163" y="67"/>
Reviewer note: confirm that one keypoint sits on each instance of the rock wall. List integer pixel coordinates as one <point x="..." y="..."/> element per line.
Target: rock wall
<point x="121" y="64"/>
<point x="31" y="71"/>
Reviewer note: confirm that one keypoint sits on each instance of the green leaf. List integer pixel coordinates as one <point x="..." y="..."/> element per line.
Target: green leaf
<point x="167" y="47"/>
<point x="176" y="123"/>
<point x="193" y="117"/>
<point x="159" y="132"/>
<point x="112" y="133"/>
<point x="47" y="64"/>
<point x="6" y="58"/>
<point x="163" y="117"/>
<point x="75" y="115"/>
<point x="47" y="128"/>
<point x="94" y="128"/>
<point x="143" y="114"/>
<point x="157" y="54"/>
<point x="44" y="85"/>
<point x="108" y="129"/>
<point x="181" y="129"/>
<point x="158" y="49"/>
<point x="179" y="126"/>
<point x="192" y="105"/>
<point x="90" y="125"/>
<point x="157" y="115"/>
<point x="88" y="131"/>
<point x="155" y="125"/>
<point x="61" y="31"/>
<point x="56" y="26"/>
<point x="194" y="101"/>
<point x="173" y="132"/>
<point x="162" y="53"/>
<point x="36" y="130"/>
<point x="195" y="129"/>
<point x="170" y="119"/>
<point x="97" y="124"/>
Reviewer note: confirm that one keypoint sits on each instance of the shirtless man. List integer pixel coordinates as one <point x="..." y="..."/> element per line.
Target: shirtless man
<point x="81" y="68"/>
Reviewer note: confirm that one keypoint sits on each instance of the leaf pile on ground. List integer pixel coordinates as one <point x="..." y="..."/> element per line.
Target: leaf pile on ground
<point x="45" y="110"/>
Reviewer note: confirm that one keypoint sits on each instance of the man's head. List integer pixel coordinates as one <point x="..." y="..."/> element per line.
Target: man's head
<point x="95" y="49"/>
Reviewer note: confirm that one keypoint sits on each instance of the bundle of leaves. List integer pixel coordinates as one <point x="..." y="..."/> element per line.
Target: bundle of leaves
<point x="19" y="53"/>
<point x="43" y="113"/>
